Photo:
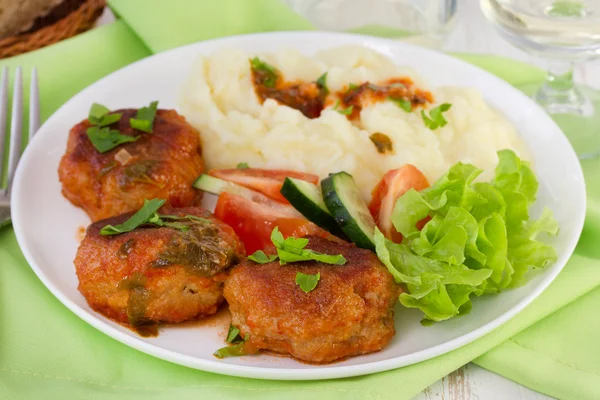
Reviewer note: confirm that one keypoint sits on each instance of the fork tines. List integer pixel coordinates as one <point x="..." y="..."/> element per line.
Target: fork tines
<point x="15" y="140"/>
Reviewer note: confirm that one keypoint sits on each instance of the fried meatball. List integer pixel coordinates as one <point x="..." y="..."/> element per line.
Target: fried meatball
<point x="157" y="274"/>
<point x="163" y="164"/>
<point x="350" y="312"/>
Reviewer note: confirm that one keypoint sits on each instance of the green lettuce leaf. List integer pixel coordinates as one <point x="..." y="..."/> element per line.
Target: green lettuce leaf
<point x="408" y="211"/>
<point x="492" y="242"/>
<point x="515" y="175"/>
<point x="437" y="288"/>
<point x="479" y="238"/>
<point x="450" y="190"/>
<point x="525" y="251"/>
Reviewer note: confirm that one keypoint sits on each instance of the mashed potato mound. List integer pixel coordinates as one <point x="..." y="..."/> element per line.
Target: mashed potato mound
<point x="219" y="100"/>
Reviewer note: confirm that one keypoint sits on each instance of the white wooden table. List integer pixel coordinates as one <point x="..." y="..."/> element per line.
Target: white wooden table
<point x="472" y="382"/>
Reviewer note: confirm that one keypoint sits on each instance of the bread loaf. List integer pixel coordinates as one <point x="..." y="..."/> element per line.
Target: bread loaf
<point x="20" y="16"/>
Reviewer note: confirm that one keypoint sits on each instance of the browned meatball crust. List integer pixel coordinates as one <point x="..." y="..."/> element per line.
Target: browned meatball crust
<point x="157" y="274"/>
<point x="163" y="164"/>
<point x="350" y="312"/>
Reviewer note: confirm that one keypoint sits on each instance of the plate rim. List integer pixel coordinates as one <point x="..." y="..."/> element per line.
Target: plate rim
<point x="216" y="366"/>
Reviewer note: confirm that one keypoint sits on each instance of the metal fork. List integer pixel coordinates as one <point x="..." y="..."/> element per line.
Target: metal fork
<point x="16" y="133"/>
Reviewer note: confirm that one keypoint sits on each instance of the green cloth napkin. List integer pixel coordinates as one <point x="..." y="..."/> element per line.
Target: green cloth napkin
<point x="47" y="352"/>
<point x="167" y="24"/>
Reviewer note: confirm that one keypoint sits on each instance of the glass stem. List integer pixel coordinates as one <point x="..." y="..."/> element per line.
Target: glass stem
<point x="558" y="94"/>
<point x="560" y="76"/>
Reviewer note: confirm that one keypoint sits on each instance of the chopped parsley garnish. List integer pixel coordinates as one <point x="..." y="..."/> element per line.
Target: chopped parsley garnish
<point x="239" y="347"/>
<point x="307" y="282"/>
<point x="189" y="217"/>
<point x="233" y="335"/>
<point x="268" y="72"/>
<point x="404" y="104"/>
<point x="261" y="258"/>
<point x="292" y="250"/>
<point x="109" y="119"/>
<point x="243" y="165"/>
<point x="163" y="220"/>
<point x="144" y="119"/>
<point x="99" y="115"/>
<point x="233" y="351"/>
<point x="352" y="86"/>
<point x="147" y="215"/>
<point x="96" y="113"/>
<point x="142" y="216"/>
<point x="345" y="111"/>
<point x="105" y="139"/>
<point x="176" y="225"/>
<point x="102" y="137"/>
<point x="322" y="83"/>
<point x="436" y="118"/>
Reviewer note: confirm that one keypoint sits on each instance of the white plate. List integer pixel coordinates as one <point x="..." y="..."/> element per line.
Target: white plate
<point x="46" y="224"/>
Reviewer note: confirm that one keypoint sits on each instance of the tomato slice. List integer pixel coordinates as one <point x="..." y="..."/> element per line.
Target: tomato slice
<point x="253" y="222"/>
<point x="393" y="185"/>
<point x="266" y="181"/>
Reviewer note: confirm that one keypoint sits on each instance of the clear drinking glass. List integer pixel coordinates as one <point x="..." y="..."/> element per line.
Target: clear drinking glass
<point x="423" y="22"/>
<point x="563" y="32"/>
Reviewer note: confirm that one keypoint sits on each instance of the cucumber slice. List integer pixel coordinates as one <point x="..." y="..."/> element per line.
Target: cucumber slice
<point x="344" y="202"/>
<point x="217" y="186"/>
<point x="307" y="198"/>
